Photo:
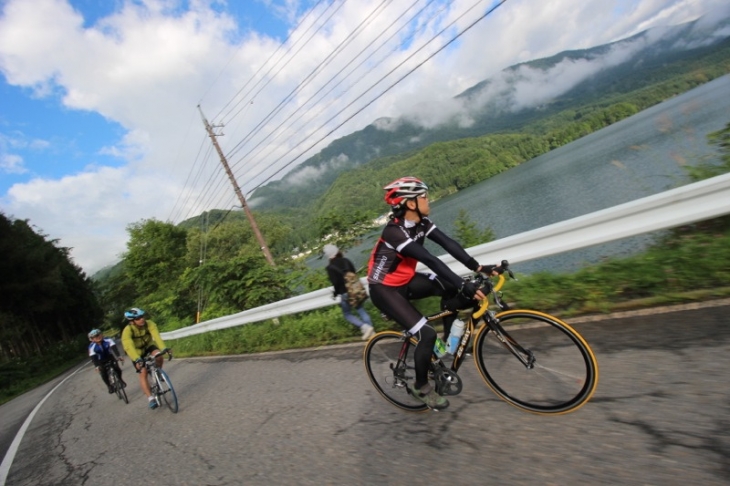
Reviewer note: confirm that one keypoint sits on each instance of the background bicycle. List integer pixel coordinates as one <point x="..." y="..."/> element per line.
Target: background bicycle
<point x="160" y="384"/>
<point x="532" y="360"/>
<point x="115" y="381"/>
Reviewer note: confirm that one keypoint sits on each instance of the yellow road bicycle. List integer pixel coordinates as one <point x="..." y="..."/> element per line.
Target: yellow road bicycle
<point x="531" y="360"/>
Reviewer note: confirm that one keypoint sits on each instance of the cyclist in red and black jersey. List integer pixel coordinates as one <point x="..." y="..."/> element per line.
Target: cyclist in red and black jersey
<point x="393" y="280"/>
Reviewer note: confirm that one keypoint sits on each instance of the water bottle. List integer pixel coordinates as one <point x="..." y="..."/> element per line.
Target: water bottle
<point x="439" y="348"/>
<point x="457" y="330"/>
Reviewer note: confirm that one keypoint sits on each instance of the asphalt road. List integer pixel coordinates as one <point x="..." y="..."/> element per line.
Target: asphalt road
<point x="660" y="416"/>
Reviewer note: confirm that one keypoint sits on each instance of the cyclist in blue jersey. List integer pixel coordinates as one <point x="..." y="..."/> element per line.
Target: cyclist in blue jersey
<point x="393" y="280"/>
<point x="104" y="351"/>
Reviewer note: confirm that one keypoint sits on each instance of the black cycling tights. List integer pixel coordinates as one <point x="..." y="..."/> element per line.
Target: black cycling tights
<point x="422" y="354"/>
<point x="394" y="302"/>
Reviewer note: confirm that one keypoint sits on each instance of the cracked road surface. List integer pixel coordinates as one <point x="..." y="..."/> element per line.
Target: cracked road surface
<point x="661" y="415"/>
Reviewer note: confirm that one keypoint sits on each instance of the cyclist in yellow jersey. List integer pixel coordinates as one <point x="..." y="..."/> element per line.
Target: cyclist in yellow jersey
<point x="141" y="338"/>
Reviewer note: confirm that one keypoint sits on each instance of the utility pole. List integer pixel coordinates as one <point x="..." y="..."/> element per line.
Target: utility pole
<point x="236" y="188"/>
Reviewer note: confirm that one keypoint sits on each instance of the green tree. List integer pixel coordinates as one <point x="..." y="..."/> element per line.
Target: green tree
<point x="467" y="233"/>
<point x="44" y="297"/>
<point x="154" y="261"/>
<point x="344" y="227"/>
<point x="226" y="271"/>
<point x="117" y="292"/>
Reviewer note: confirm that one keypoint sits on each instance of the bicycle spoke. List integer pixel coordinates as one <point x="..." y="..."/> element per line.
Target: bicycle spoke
<point x="390" y="376"/>
<point x="167" y="391"/>
<point x="123" y="393"/>
<point x="562" y="375"/>
<point x="115" y="380"/>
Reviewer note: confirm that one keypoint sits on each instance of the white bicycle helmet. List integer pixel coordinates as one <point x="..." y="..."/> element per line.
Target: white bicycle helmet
<point x="134" y="313"/>
<point x="403" y="189"/>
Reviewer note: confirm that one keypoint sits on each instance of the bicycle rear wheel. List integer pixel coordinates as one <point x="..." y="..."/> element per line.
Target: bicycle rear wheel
<point x="116" y="382"/>
<point x="390" y="375"/>
<point x="536" y="362"/>
<point x="165" y="389"/>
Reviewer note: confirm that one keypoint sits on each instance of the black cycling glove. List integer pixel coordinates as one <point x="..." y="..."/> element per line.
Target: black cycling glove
<point x="468" y="289"/>
<point x="487" y="269"/>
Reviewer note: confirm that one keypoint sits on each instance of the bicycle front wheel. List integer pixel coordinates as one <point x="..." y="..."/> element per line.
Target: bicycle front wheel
<point x="389" y="374"/>
<point x="536" y="362"/>
<point x="166" y="390"/>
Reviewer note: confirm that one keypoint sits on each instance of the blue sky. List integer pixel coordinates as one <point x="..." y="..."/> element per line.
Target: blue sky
<point x="99" y="125"/>
<point x="53" y="141"/>
<point x="56" y="141"/>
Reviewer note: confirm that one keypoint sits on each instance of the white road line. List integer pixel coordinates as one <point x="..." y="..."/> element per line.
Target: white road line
<point x="10" y="454"/>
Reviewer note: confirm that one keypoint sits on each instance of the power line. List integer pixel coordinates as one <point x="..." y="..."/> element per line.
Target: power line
<point x="469" y="27"/>
<point x="293" y="32"/>
<point x="273" y="55"/>
<point x="209" y="184"/>
<point x="187" y="181"/>
<point x="263" y="65"/>
<point x="266" y="76"/>
<point x="332" y="55"/>
<point x="197" y="206"/>
<point x="372" y="86"/>
<point x="339" y="82"/>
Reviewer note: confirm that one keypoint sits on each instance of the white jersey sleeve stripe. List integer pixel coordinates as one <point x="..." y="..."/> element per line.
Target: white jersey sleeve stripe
<point x="400" y="247"/>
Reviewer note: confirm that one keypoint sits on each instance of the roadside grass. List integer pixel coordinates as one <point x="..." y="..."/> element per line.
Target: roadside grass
<point x="689" y="264"/>
<point x="20" y="376"/>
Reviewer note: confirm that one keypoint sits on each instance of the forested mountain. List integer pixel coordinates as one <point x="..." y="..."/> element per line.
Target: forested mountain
<point x="576" y="83"/>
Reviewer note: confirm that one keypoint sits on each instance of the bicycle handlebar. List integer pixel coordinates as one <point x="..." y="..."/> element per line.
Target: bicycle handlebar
<point x="150" y="359"/>
<point x="488" y="287"/>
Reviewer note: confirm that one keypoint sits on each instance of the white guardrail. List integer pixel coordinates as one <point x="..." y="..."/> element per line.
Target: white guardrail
<point x="687" y="204"/>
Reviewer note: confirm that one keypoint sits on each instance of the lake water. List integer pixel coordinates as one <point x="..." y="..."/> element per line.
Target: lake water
<point x="636" y="157"/>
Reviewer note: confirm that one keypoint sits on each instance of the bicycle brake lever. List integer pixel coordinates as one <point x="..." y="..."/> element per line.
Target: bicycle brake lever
<point x="500" y="303"/>
<point x="505" y="268"/>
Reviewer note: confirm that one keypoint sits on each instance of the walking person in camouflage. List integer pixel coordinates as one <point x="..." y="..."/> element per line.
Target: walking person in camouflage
<point x="337" y="268"/>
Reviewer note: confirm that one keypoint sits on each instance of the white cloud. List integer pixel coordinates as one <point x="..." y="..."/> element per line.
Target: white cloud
<point x="147" y="70"/>
<point x="308" y="174"/>
<point x="533" y="87"/>
<point x="529" y="87"/>
<point x="12" y="164"/>
<point x="74" y="209"/>
<point x="10" y="161"/>
<point x="387" y="124"/>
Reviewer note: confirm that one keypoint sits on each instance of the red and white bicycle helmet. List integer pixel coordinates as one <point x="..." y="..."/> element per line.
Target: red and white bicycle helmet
<point x="402" y="189"/>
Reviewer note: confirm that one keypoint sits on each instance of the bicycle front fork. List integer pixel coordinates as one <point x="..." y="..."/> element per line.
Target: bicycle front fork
<point x="154" y="383"/>
<point x="524" y="355"/>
